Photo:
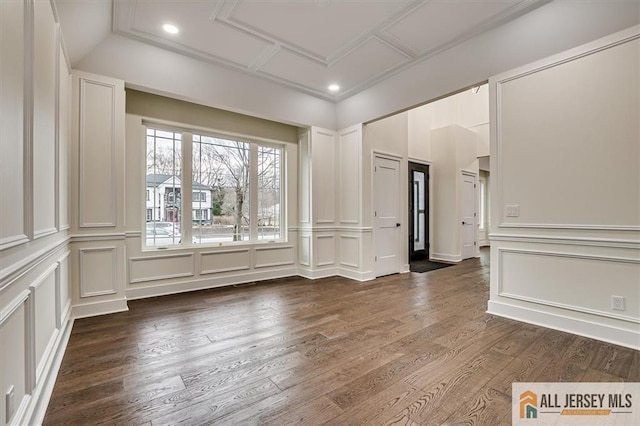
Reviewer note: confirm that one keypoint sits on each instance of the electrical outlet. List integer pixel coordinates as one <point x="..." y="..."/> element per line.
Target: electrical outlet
<point x="617" y="303"/>
<point x="10" y="399"/>
<point x="512" y="210"/>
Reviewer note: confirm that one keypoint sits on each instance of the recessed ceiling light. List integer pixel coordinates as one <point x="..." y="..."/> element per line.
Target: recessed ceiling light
<point x="334" y="87"/>
<point x="170" y="28"/>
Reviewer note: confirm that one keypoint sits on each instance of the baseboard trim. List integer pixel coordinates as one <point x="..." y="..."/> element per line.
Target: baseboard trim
<point x="208" y="283"/>
<point x="356" y="275"/>
<point x="34" y="414"/>
<point x="590" y="329"/>
<point x="449" y="258"/>
<point x="314" y="274"/>
<point x="99" y="308"/>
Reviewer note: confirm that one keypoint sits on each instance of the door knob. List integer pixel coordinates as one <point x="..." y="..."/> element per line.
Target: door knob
<point x="397" y="225"/>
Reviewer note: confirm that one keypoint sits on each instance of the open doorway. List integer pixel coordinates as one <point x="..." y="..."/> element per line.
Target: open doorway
<point x="418" y="212"/>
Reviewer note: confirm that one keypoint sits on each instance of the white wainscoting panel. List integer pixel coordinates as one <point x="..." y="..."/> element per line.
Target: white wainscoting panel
<point x="43" y="292"/>
<point x="12" y="87"/>
<point x="64" y="135"/>
<point x="98" y="271"/>
<point x="350" y="177"/>
<point x="305" y="250"/>
<point x="64" y="290"/>
<point x="577" y="282"/>
<point x="323" y="180"/>
<point x="600" y="135"/>
<point x="98" y="192"/>
<point x="160" y="267"/>
<point x="219" y="261"/>
<point x="325" y="250"/>
<point x="265" y="257"/>
<point x="304" y="183"/>
<point x="44" y="120"/>
<point x="13" y="328"/>
<point x="350" y="251"/>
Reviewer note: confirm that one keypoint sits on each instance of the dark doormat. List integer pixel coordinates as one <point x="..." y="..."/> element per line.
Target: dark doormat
<point x="426" y="266"/>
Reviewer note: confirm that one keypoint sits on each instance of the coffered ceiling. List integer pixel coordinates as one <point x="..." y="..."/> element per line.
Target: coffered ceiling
<point x="310" y="44"/>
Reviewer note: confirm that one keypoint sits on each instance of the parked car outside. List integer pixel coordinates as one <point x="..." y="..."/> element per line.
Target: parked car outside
<point x="161" y="235"/>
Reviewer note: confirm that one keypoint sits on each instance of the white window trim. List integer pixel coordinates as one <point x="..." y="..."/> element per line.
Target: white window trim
<point x="187" y="190"/>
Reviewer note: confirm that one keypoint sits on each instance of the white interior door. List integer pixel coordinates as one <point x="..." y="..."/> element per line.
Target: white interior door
<point x="468" y="231"/>
<point x="386" y="204"/>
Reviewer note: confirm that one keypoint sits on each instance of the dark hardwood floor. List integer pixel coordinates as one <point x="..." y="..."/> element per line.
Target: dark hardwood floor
<point x="404" y="349"/>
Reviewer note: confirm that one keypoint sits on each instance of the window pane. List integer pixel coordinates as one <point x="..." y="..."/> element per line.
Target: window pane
<point x="269" y="185"/>
<point x="164" y="159"/>
<point x="221" y="175"/>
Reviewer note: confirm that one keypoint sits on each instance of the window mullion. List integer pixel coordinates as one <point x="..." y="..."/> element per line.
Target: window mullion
<point x="253" y="192"/>
<point x="187" y="189"/>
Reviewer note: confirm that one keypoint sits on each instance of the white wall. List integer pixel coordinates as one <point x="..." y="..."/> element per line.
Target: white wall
<point x="565" y="150"/>
<point x="35" y="294"/>
<point x="334" y="238"/>
<point x="97" y="195"/>
<point x="467" y="109"/>
<point x="388" y="136"/>
<point x="454" y="149"/>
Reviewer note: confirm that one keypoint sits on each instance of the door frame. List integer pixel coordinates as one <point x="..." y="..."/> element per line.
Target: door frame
<point x="427" y="165"/>
<point x="401" y="251"/>
<point x="476" y="250"/>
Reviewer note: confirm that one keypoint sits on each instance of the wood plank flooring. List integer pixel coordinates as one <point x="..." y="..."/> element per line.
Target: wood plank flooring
<point x="415" y="349"/>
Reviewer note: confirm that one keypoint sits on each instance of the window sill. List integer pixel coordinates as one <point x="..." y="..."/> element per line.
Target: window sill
<point x="221" y="246"/>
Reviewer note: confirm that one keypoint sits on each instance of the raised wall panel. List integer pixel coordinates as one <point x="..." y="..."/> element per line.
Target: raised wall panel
<point x="265" y="257"/>
<point x="64" y="135"/>
<point x="350" y="176"/>
<point x="64" y="289"/>
<point x="43" y="292"/>
<point x="98" y="194"/>
<point x="324" y="250"/>
<point x="323" y="180"/>
<point x="350" y="251"/>
<point x="215" y="262"/>
<point x="12" y="87"/>
<point x="304" y="186"/>
<point x="44" y="119"/>
<point x="98" y="271"/>
<point x="573" y="281"/>
<point x="305" y="250"/>
<point x="14" y="355"/>
<point x="154" y="268"/>
<point x="592" y="153"/>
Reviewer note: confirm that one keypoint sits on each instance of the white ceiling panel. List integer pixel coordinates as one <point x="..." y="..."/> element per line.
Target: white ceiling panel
<point x="321" y="27"/>
<point x="437" y="23"/>
<point x="198" y="32"/>
<point x="306" y="44"/>
<point x="291" y="66"/>
<point x="370" y="60"/>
